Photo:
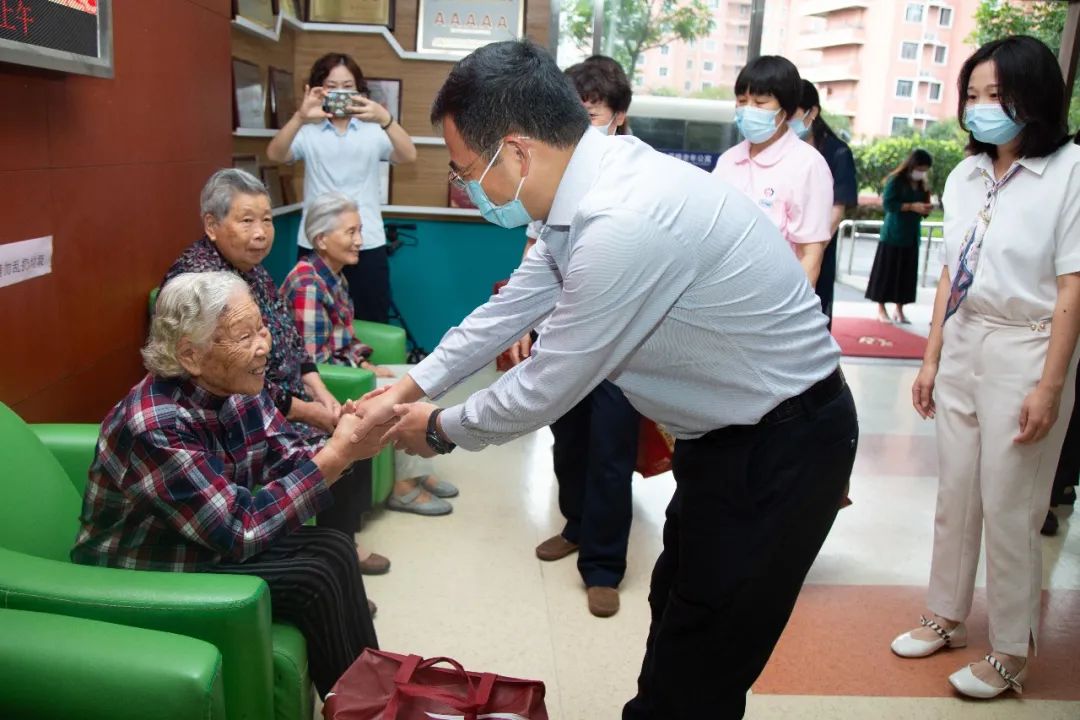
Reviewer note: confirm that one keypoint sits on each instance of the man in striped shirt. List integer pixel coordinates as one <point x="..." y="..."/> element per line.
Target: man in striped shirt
<point x="673" y="285"/>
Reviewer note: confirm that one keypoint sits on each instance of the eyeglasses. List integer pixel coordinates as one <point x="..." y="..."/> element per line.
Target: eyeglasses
<point x="457" y="179"/>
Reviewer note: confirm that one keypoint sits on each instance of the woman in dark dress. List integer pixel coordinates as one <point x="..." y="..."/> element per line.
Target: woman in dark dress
<point x="906" y="201"/>
<point x="811" y="127"/>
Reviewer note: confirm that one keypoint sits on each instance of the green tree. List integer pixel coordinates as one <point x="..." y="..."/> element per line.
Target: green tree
<point x="875" y="160"/>
<point x="714" y="93"/>
<point x="1042" y="19"/>
<point x="633" y="26"/>
<point x="947" y="130"/>
<point x="841" y="124"/>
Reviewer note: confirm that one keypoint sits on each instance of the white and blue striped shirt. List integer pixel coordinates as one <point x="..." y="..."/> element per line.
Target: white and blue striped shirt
<point x="655" y="275"/>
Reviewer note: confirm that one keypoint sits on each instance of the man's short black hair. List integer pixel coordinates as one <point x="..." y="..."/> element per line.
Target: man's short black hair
<point x="601" y="79"/>
<point x="772" y="75"/>
<point x="510" y="87"/>
<point x="1030" y="87"/>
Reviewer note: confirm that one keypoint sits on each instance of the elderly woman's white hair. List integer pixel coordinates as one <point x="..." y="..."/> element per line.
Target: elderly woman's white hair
<point x="324" y="213"/>
<point x="190" y="306"/>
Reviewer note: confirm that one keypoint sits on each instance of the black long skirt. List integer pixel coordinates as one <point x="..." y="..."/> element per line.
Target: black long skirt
<point x="895" y="274"/>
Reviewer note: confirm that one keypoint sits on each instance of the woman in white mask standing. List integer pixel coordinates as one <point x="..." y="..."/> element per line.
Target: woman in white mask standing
<point x="906" y="201"/>
<point x="787" y="178"/>
<point x="998" y="374"/>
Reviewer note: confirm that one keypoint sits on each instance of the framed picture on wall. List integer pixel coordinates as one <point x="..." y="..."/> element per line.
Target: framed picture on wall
<point x="247" y="163"/>
<point x="260" y="12"/>
<point x="387" y="93"/>
<point x="385" y="178"/>
<point x="460" y="26"/>
<point x="249" y="95"/>
<point x="282" y="97"/>
<point x="352" y="12"/>
<point x="458" y="198"/>
<point x="289" y="8"/>
<point x="271" y="178"/>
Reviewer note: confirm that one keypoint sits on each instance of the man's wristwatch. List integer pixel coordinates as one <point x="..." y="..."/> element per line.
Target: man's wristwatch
<point x="435" y="439"/>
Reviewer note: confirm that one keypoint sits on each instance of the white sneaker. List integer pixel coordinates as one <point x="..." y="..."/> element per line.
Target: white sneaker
<point x="965" y="681"/>
<point x="910" y="647"/>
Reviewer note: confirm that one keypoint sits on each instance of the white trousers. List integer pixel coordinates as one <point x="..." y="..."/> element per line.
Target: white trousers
<point x="987" y="368"/>
<point x="408" y="467"/>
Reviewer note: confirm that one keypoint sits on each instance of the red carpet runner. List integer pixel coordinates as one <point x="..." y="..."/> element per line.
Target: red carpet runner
<point x="867" y="337"/>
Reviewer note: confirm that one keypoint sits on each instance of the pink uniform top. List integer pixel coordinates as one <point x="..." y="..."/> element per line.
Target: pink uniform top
<point x="791" y="183"/>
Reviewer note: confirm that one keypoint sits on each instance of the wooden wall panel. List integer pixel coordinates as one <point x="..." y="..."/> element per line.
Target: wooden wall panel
<point x="111" y="168"/>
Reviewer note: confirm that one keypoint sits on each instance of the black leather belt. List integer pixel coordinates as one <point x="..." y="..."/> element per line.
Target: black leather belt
<point x="820" y="394"/>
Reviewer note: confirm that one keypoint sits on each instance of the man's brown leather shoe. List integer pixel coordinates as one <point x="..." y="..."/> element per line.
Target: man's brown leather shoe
<point x="555" y="548"/>
<point x="603" y="601"/>
<point x="374" y="564"/>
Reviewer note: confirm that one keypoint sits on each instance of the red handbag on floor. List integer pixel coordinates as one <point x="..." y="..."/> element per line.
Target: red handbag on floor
<point x="387" y="686"/>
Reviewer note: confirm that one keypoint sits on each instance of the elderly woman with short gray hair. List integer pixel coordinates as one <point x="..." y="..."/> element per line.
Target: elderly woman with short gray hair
<point x="239" y="232"/>
<point x="196" y="470"/>
<point x="322" y="309"/>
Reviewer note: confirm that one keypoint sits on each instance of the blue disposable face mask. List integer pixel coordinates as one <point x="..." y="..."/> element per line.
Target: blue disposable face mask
<point x="990" y="124"/>
<point x="510" y="215"/>
<point x="755" y="124"/>
<point x="799" y="128"/>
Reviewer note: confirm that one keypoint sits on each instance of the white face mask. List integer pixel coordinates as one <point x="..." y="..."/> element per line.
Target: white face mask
<point x="918" y="175"/>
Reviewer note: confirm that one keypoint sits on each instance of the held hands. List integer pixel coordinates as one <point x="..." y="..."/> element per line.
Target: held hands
<point x="353" y="446"/>
<point x="922" y="391"/>
<point x="1038" y="413"/>
<point x="409" y="432"/>
<point x="315" y="414"/>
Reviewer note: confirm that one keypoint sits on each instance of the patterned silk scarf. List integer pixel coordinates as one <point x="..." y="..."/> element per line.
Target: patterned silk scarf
<point x="972" y="248"/>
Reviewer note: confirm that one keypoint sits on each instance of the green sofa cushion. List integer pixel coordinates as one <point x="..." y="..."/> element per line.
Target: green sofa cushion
<point x="52" y="666"/>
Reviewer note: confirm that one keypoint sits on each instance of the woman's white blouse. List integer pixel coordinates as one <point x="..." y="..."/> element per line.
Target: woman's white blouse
<point x="1033" y="237"/>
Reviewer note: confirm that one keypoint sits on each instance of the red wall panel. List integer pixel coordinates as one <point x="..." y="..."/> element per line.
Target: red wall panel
<point x="112" y="170"/>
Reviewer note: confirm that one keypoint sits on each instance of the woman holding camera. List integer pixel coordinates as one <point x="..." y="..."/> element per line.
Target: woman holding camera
<point x="342" y="136"/>
<point x="896" y="264"/>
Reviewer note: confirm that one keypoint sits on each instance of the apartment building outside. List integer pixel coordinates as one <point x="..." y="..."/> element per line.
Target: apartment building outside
<point x="886" y="64"/>
<point x="708" y="62"/>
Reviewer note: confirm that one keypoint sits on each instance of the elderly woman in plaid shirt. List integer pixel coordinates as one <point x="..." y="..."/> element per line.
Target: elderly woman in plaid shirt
<point x="322" y="308"/>
<point x="196" y="470"/>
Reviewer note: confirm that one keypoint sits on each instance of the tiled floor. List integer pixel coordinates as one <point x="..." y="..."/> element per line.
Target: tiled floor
<point x="469" y="586"/>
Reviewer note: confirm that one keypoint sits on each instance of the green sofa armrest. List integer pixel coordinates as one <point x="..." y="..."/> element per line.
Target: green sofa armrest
<point x="52" y="666"/>
<point x="388" y="341"/>
<point x="73" y="446"/>
<point x="231" y="612"/>
<point x="346" y="383"/>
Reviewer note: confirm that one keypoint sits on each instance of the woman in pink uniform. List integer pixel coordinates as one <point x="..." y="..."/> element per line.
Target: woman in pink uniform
<point x="787" y="178"/>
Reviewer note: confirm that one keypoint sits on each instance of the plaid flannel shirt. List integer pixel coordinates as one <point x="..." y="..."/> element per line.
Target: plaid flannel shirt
<point x="174" y="478"/>
<point x="288" y="359"/>
<point x="323" y="313"/>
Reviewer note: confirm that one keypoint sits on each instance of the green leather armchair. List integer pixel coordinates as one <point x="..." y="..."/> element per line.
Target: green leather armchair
<point x="58" y="667"/>
<point x="263" y="664"/>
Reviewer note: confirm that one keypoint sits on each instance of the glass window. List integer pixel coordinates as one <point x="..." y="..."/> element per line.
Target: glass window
<point x="744" y="11"/>
<point x="709" y="66"/>
<point x="914" y="12"/>
<point x="935" y="91"/>
<point x="686" y="85"/>
<point x="710" y="45"/>
<point x="706" y="85"/>
<point x="940" y="54"/>
<point x="664" y="49"/>
<point x="740" y="52"/>
<point x="909" y="50"/>
<point x="945" y="20"/>
<point x="903" y="88"/>
<point x="689" y="64"/>
<point x="899" y="125"/>
<point x="663" y="72"/>
<point x="641" y="61"/>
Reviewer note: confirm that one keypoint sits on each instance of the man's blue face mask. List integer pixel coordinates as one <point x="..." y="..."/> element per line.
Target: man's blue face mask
<point x="510" y="215"/>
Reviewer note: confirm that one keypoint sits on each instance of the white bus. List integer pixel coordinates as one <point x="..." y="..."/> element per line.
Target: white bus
<point x="695" y="130"/>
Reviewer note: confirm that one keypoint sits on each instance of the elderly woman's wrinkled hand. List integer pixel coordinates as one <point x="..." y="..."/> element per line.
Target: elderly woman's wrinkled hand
<point x="355" y="443"/>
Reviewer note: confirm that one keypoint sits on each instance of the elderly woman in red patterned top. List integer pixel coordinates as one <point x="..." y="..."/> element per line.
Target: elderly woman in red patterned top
<point x="196" y="470"/>
<point x="318" y="294"/>
<point x="239" y="227"/>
